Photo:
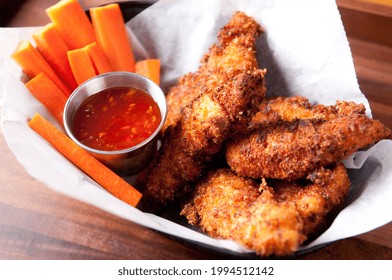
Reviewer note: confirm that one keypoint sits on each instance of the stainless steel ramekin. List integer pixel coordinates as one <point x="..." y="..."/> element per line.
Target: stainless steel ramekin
<point x="127" y="161"/>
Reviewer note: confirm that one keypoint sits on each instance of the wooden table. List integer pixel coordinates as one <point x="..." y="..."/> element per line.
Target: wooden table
<point x="37" y="223"/>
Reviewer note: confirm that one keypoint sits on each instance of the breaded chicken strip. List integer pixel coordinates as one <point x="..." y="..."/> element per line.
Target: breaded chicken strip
<point x="184" y="167"/>
<point x="229" y="87"/>
<point x="180" y="96"/>
<point x="291" y="151"/>
<point x="230" y="207"/>
<point x="318" y="199"/>
<point x="208" y="122"/>
<point x="270" y="220"/>
<point x="234" y="54"/>
<point x="272" y="111"/>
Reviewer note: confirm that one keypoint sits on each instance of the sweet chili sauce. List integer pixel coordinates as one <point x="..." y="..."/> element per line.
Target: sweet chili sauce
<point x="116" y="119"/>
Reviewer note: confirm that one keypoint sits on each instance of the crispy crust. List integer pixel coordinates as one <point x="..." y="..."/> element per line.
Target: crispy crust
<point x="318" y="199"/>
<point x="226" y="89"/>
<point x="233" y="54"/>
<point x="292" y="150"/>
<point x="273" y="111"/>
<point x="270" y="220"/>
<point x="230" y="207"/>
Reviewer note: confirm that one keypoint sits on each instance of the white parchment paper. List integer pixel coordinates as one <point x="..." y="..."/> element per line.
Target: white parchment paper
<point x="305" y="51"/>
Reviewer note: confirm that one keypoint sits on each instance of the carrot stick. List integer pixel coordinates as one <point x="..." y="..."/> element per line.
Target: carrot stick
<point x="72" y="23"/>
<point x="112" y="37"/>
<point x="98" y="58"/>
<point x="149" y="68"/>
<point x="81" y="65"/>
<point x="32" y="63"/>
<point x="54" y="50"/>
<point x="46" y="91"/>
<point x="86" y="162"/>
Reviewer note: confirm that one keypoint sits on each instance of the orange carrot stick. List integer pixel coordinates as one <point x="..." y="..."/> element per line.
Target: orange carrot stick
<point x="81" y="65"/>
<point x="149" y="68"/>
<point x="86" y="162"/>
<point x="46" y="91"/>
<point x="32" y="63"/>
<point x="54" y="50"/>
<point x="98" y="58"/>
<point x="72" y="23"/>
<point x="112" y="37"/>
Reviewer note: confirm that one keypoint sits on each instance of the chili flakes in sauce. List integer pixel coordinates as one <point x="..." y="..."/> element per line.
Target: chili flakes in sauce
<point x="116" y="119"/>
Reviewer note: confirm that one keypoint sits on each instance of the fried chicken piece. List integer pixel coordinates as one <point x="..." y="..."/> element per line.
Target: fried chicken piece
<point x="347" y="108"/>
<point x="272" y="111"/>
<point x="318" y="200"/>
<point x="189" y="168"/>
<point x="229" y="87"/>
<point x="234" y="54"/>
<point x="291" y="151"/>
<point x="180" y="96"/>
<point x="207" y="123"/>
<point x="226" y="206"/>
<point x="270" y="219"/>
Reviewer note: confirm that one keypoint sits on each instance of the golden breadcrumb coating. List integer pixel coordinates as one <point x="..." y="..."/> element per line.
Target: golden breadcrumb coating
<point x="318" y="199"/>
<point x="228" y="87"/>
<point x="179" y="96"/>
<point x="292" y="150"/>
<point x="273" y="111"/>
<point x="269" y="220"/>
<point x="230" y="207"/>
<point x="234" y="54"/>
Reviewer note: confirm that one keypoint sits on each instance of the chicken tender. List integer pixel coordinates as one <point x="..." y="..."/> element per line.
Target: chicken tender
<point x="180" y="96"/>
<point x="226" y="206"/>
<point x="189" y="168"/>
<point x="234" y="54"/>
<point x="318" y="199"/>
<point x="270" y="220"/>
<point x="228" y="87"/>
<point x="207" y="124"/>
<point x="291" y="151"/>
<point x="272" y="111"/>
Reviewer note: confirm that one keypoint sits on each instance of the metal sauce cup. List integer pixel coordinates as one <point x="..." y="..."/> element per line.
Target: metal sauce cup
<point x="127" y="161"/>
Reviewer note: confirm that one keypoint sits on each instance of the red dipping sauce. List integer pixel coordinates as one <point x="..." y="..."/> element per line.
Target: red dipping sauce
<point x="116" y="119"/>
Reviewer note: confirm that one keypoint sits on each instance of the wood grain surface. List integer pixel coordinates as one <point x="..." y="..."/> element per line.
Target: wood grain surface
<point x="38" y="223"/>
